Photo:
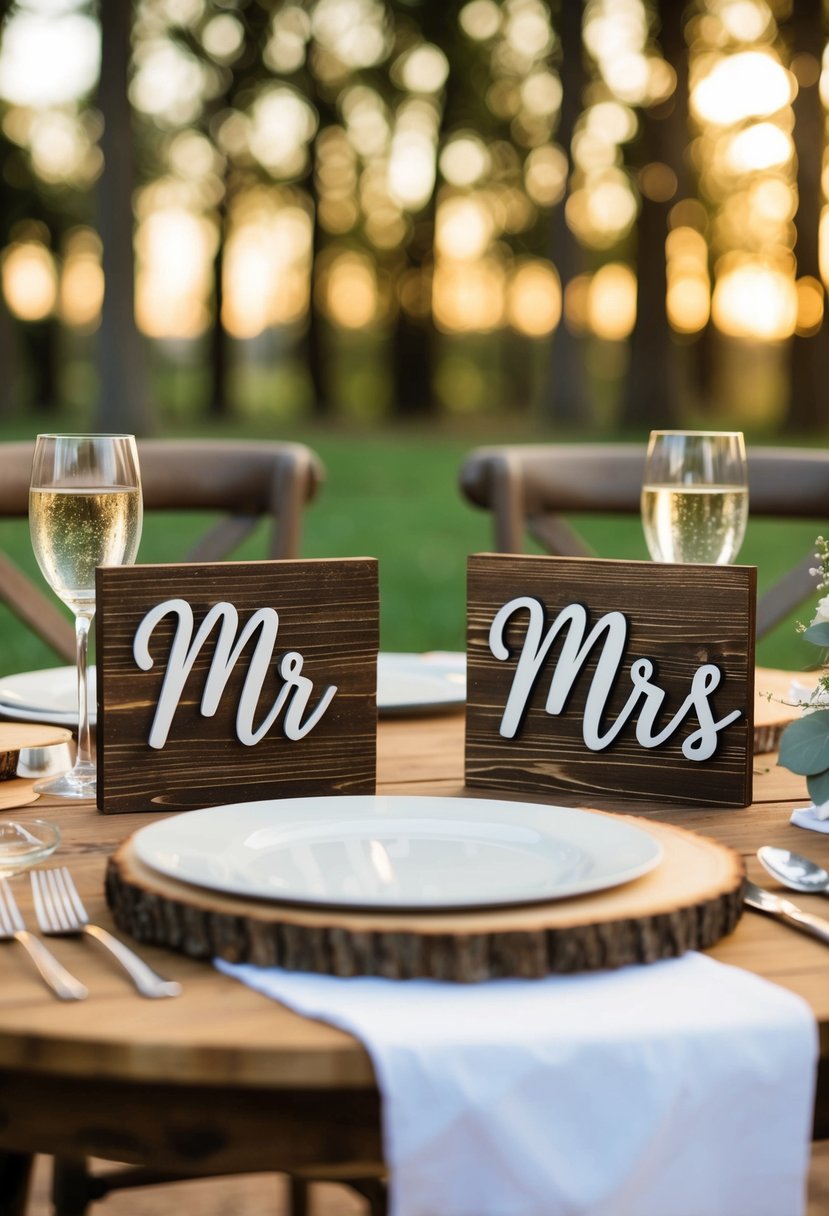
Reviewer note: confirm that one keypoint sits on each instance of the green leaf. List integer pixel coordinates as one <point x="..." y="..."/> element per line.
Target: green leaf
<point x="804" y="748"/>
<point x="819" y="634"/>
<point x="818" y="786"/>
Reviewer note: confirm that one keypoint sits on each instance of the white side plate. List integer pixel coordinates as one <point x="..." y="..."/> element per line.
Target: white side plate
<point x="50" y="695"/>
<point x="414" y="683"/>
<point x="406" y="683"/>
<point x="397" y="853"/>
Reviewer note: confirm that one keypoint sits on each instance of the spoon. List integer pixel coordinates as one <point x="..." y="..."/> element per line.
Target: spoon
<point x="794" y="871"/>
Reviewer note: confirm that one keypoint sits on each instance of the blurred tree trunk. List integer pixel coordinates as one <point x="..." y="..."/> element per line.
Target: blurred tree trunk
<point x="566" y="396"/>
<point x="315" y="346"/>
<point x="412" y="364"/>
<point x="317" y="358"/>
<point x="414" y="338"/>
<point x="653" y="390"/>
<point x="413" y="345"/>
<point x="29" y="350"/>
<point x="120" y="354"/>
<point x="650" y="397"/>
<point x="9" y="359"/>
<point x="237" y="79"/>
<point x="10" y="355"/>
<point x="808" y="356"/>
<point x="217" y="405"/>
<point x="41" y="341"/>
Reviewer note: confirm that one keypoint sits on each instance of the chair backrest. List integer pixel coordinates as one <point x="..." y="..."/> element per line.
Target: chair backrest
<point x="246" y="481"/>
<point x="529" y="488"/>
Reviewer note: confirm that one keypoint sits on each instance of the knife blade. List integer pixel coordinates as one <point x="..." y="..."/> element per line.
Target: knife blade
<point x="776" y="905"/>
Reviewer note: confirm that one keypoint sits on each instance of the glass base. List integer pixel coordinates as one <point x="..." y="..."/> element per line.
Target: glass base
<point x="74" y="784"/>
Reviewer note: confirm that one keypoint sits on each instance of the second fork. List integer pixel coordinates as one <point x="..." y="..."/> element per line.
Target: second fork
<point x="59" y="911"/>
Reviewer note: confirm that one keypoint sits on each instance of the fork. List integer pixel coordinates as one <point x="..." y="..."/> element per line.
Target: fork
<point x="59" y="911"/>
<point x="61" y="981"/>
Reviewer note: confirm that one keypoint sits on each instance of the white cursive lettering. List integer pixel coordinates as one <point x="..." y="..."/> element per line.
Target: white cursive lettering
<point x="293" y="696"/>
<point x="572" y="621"/>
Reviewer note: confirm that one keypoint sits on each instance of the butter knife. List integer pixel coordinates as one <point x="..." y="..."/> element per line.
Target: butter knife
<point x="776" y="905"/>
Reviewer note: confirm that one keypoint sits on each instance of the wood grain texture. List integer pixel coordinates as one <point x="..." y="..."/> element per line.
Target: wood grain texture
<point x="16" y="792"/>
<point x="678" y="616"/>
<point x="690" y="901"/>
<point x="328" y="613"/>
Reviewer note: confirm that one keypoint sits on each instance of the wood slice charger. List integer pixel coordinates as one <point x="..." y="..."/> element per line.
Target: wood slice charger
<point x="16" y="737"/>
<point x="688" y="902"/>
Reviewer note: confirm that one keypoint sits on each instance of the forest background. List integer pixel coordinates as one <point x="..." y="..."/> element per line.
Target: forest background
<point x="397" y="228"/>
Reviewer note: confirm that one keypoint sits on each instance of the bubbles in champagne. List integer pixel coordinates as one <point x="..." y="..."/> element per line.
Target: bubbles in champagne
<point x="697" y="523"/>
<point x="76" y="530"/>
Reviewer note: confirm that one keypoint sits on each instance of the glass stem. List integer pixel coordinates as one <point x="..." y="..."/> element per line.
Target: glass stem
<point x="83" y="761"/>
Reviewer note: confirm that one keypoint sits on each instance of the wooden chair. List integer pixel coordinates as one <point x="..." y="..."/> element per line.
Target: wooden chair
<point x="530" y="488"/>
<point x="246" y="481"/>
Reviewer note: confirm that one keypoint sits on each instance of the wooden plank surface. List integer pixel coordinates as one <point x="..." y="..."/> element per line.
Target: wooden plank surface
<point x="325" y="614"/>
<point x="680" y="626"/>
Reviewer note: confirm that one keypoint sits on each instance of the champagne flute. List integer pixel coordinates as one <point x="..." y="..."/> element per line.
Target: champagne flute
<point x="695" y="496"/>
<point x="85" y="510"/>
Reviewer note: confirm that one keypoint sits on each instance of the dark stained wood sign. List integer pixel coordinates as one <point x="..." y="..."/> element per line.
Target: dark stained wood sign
<point x="235" y="681"/>
<point x="601" y="678"/>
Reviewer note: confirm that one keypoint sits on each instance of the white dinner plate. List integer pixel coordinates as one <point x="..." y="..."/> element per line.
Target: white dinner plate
<point x="398" y="853"/>
<point x="406" y="683"/>
<point x="50" y="695"/>
<point x="413" y="683"/>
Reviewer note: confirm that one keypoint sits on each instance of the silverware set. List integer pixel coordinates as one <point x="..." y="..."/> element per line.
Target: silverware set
<point x="60" y="912"/>
<point x="798" y="874"/>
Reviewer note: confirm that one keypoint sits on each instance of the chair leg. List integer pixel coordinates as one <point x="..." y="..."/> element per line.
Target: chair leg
<point x="73" y="1187"/>
<point x="375" y="1191"/>
<point x="298" y="1196"/>
<point x="15" y="1175"/>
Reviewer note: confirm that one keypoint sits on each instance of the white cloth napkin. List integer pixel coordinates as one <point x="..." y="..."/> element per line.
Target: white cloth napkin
<point x="683" y="1088"/>
<point x="811" y="817"/>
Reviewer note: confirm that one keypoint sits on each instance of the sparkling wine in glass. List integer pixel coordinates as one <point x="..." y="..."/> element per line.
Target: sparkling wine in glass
<point x="85" y="511"/>
<point x="695" y="496"/>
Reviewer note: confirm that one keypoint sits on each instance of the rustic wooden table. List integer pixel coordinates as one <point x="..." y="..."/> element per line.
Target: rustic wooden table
<point x="224" y="1080"/>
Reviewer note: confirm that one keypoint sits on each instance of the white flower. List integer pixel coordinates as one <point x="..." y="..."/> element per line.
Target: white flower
<point x="809" y="699"/>
<point x="822" y="611"/>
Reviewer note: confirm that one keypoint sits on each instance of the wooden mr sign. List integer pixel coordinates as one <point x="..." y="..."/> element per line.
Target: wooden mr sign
<point x="606" y="678"/>
<point x="235" y="681"/>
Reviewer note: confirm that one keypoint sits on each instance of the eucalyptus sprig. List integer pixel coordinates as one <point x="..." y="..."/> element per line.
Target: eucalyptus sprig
<point x="804" y="746"/>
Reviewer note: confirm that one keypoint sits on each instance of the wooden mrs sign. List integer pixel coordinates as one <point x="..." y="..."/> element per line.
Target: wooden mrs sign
<point x="606" y="678"/>
<point x="235" y="681"/>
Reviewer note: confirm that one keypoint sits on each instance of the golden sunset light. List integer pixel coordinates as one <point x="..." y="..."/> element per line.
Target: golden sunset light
<point x="349" y="181"/>
<point x="30" y="281"/>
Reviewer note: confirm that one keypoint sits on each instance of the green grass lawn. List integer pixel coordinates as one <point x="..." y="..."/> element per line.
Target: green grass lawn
<point x="393" y="495"/>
